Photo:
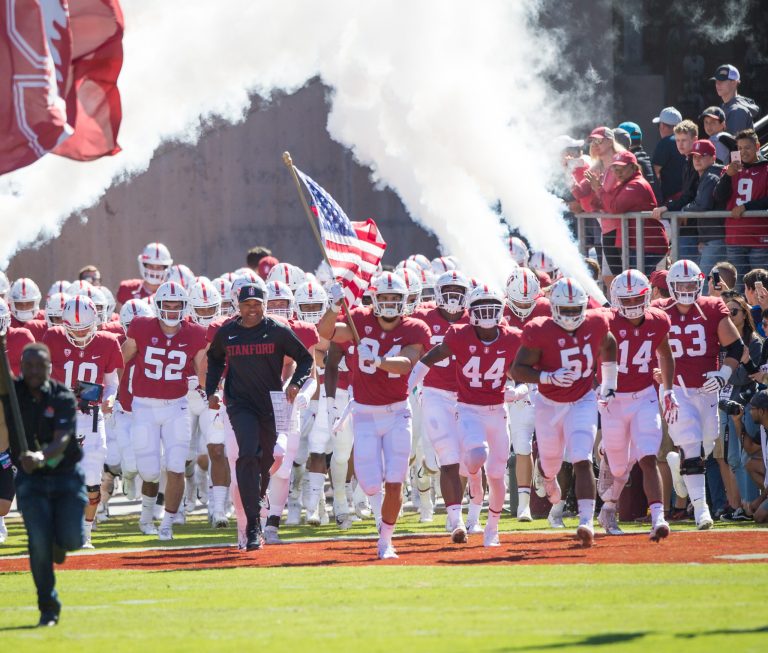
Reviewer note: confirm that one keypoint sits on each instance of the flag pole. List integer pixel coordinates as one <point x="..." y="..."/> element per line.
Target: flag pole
<point x="311" y="218"/>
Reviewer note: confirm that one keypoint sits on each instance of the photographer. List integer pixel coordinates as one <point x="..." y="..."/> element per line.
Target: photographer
<point x="754" y="443"/>
<point x="50" y="486"/>
<point x="736" y="394"/>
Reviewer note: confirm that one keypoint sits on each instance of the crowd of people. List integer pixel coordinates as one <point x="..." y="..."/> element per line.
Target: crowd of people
<point x="713" y="164"/>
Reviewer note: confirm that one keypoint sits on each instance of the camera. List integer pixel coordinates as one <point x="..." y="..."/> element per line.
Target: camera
<point x="729" y="407"/>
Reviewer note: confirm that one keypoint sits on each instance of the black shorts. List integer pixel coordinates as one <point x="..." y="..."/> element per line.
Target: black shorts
<point x="7" y="486"/>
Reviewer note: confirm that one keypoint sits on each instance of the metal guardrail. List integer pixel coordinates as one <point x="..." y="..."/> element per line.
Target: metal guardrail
<point x="672" y="217"/>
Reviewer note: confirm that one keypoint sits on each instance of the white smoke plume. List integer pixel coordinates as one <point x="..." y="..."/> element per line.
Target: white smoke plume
<point x="446" y="103"/>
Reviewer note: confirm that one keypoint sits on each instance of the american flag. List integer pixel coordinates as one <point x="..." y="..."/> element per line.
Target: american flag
<point x="354" y="248"/>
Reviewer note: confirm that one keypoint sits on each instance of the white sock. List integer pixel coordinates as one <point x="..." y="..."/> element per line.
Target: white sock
<point x="523" y="499"/>
<point x="558" y="508"/>
<point x="316" y="483"/>
<point x="147" y="508"/>
<point x="167" y="519"/>
<point x="219" y="493"/>
<point x="278" y="495"/>
<point x="376" y="500"/>
<point x="385" y="532"/>
<point x="473" y="513"/>
<point x="492" y="523"/>
<point x="657" y="513"/>
<point x="454" y="515"/>
<point x="696" y="486"/>
<point x="586" y="510"/>
<point x="88" y="529"/>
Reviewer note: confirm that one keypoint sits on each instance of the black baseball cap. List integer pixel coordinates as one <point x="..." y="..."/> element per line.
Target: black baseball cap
<point x="759" y="400"/>
<point x="713" y="112"/>
<point x="250" y="291"/>
<point x="725" y="72"/>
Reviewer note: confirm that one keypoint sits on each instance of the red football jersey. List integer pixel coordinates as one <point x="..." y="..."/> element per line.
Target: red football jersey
<point x="693" y="338"/>
<point x="36" y="327"/>
<point x="70" y="364"/>
<point x="372" y="385"/>
<point x="15" y="340"/>
<point x="443" y="374"/>
<point x="559" y="348"/>
<point x="164" y="363"/>
<point x="213" y="327"/>
<point x="637" y="347"/>
<point x="116" y="329"/>
<point x="305" y="331"/>
<point x="481" y="368"/>
<point x="132" y="289"/>
<point x="541" y="308"/>
<point x="125" y="389"/>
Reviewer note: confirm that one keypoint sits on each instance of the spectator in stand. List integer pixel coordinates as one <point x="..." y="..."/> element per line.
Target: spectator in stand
<point x="711" y="231"/>
<point x="725" y="281"/>
<point x="659" y="286"/>
<point x="631" y="193"/>
<point x="744" y="187"/>
<point x="574" y="164"/>
<point x="739" y="111"/>
<point x="713" y="121"/>
<point x="735" y="477"/>
<point x="667" y="160"/>
<point x="754" y="280"/>
<point x="758" y="410"/>
<point x="686" y="133"/>
<point x="621" y="136"/>
<point x="643" y="160"/>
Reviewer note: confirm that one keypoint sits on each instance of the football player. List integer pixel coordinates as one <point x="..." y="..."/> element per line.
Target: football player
<point x="560" y="353"/>
<point x="24" y="303"/>
<point x="701" y="327"/>
<point x="16" y="338"/>
<point x="482" y="352"/>
<point x="524" y="303"/>
<point x="389" y="347"/>
<point x="168" y="350"/>
<point x="631" y="422"/>
<point x="80" y="352"/>
<point x="154" y="266"/>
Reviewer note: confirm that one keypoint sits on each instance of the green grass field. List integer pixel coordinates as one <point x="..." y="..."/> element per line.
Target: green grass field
<point x="575" y="607"/>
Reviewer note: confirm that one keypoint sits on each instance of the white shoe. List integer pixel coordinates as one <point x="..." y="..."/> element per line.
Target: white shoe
<point x="179" y="519"/>
<point x="552" y="489"/>
<point x="474" y="528"/>
<point x="555" y="521"/>
<point x="704" y="521"/>
<point x="165" y="533"/>
<point x="313" y="519"/>
<point x="491" y="537"/>
<point x="88" y="544"/>
<point x="294" y="514"/>
<point x="607" y="519"/>
<point x="659" y="531"/>
<point x="158" y="512"/>
<point x="219" y="520"/>
<point x="538" y="481"/>
<point x="147" y="528"/>
<point x="3" y="532"/>
<point x="386" y="551"/>
<point x="586" y="533"/>
<point x="524" y="515"/>
<point x="271" y="535"/>
<point x="323" y="512"/>
<point x="102" y="513"/>
<point x="129" y="488"/>
<point x="459" y="534"/>
<point x="343" y="522"/>
<point x="426" y="513"/>
<point x="362" y="510"/>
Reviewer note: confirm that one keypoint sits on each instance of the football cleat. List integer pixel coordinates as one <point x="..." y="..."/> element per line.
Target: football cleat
<point x="607" y="519"/>
<point x="179" y="519"/>
<point x="343" y="522"/>
<point x="253" y="539"/>
<point x="219" y="520"/>
<point x="704" y="521"/>
<point x="555" y="521"/>
<point x="659" y="531"/>
<point x="386" y="551"/>
<point x="3" y="531"/>
<point x="147" y="528"/>
<point x="474" y="528"/>
<point x="293" y="518"/>
<point x="165" y="533"/>
<point x="491" y="537"/>
<point x="362" y="510"/>
<point x="88" y="544"/>
<point x="586" y="534"/>
<point x="271" y="535"/>
<point x="538" y="481"/>
<point x="524" y="515"/>
<point x="313" y="519"/>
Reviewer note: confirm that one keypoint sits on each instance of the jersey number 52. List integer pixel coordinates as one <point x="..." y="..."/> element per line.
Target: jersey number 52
<point x="160" y="364"/>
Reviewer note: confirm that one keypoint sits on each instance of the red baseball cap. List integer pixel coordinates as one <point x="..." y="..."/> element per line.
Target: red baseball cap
<point x="659" y="280"/>
<point x="601" y="132"/>
<point x="703" y="147"/>
<point x="623" y="158"/>
<point x="265" y="265"/>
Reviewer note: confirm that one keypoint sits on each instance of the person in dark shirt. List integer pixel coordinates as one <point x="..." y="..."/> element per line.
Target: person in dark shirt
<point x="643" y="160"/>
<point x="667" y="161"/>
<point x="50" y="486"/>
<point x="252" y="347"/>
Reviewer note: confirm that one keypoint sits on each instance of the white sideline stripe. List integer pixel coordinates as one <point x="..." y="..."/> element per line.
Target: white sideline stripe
<point x="371" y="538"/>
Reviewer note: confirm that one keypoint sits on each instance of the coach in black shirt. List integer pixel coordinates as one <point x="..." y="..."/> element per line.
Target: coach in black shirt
<point x="252" y="347"/>
<point x="50" y="487"/>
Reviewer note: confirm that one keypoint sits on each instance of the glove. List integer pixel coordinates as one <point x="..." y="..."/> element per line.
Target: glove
<point x="336" y="295"/>
<point x="516" y="393"/>
<point x="417" y="375"/>
<point x="301" y="401"/>
<point x="562" y="378"/>
<point x="670" y="407"/>
<point x="716" y="380"/>
<point x="198" y="402"/>
<point x="365" y="353"/>
<point x="610" y="375"/>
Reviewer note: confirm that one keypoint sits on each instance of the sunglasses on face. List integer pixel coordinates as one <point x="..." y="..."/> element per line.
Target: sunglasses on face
<point x="736" y="311"/>
<point x="597" y="141"/>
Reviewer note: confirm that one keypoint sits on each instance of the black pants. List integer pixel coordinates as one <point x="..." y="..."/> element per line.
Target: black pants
<point x="256" y="436"/>
<point x="7" y="486"/>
